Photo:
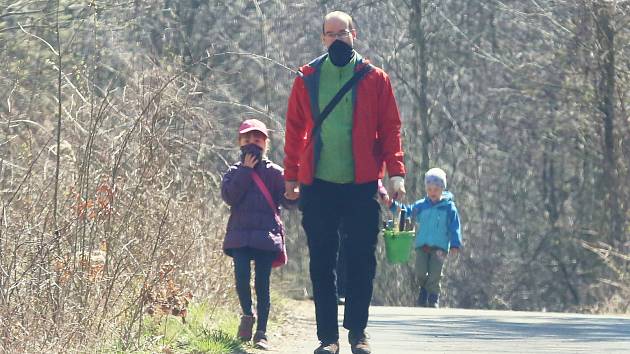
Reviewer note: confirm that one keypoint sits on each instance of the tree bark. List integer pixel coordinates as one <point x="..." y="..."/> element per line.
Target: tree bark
<point x="422" y="79"/>
<point x="606" y="44"/>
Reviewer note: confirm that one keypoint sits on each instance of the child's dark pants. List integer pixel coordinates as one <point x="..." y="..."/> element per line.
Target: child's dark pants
<point x="242" y="272"/>
<point x="324" y="206"/>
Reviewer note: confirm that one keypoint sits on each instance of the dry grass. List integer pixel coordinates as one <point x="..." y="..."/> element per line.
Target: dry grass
<point x="139" y="223"/>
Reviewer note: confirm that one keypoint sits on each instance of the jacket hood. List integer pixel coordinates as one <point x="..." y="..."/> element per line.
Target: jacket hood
<point x="447" y="198"/>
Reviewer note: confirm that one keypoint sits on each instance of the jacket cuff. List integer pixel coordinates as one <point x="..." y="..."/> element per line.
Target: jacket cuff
<point x="290" y="176"/>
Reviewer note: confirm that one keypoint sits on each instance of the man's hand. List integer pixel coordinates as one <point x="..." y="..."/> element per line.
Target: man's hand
<point x="250" y="160"/>
<point x="397" y="186"/>
<point x="291" y="190"/>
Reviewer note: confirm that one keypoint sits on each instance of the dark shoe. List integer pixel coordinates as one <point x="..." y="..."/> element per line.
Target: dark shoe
<point x="327" y="348"/>
<point x="359" y="343"/>
<point x="245" y="328"/>
<point x="260" y="340"/>
<point x="434" y="301"/>
<point x="423" y="297"/>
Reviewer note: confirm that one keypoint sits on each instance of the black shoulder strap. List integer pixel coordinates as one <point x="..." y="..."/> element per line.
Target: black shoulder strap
<point x="339" y="95"/>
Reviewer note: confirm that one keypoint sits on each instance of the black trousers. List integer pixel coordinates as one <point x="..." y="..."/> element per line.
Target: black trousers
<point x="341" y="264"/>
<point x="324" y="207"/>
<point x="242" y="273"/>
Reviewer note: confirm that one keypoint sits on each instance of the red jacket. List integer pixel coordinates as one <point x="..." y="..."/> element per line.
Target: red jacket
<point x="375" y="131"/>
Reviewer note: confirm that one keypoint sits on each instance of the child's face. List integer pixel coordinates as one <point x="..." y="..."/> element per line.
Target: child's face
<point x="434" y="192"/>
<point x="253" y="137"/>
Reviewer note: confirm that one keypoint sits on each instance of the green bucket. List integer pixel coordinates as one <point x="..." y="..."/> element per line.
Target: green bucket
<point x="398" y="245"/>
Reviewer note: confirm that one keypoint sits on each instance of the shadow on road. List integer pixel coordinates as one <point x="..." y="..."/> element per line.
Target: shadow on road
<point x="480" y="328"/>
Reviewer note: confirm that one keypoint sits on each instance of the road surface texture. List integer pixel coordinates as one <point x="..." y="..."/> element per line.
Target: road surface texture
<point x="403" y="330"/>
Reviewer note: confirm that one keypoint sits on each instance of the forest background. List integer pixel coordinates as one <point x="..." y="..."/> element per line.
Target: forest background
<point x="119" y="118"/>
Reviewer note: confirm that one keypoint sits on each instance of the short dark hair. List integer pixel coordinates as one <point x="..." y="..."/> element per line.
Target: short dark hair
<point x="340" y="14"/>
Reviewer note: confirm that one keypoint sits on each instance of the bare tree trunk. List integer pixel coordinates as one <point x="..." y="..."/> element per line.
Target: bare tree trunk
<point x="59" y="108"/>
<point x="263" y="44"/>
<point x="58" y="306"/>
<point x="606" y="44"/>
<point x="421" y="68"/>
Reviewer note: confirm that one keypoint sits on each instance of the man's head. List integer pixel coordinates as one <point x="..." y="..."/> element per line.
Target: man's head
<point x="338" y="25"/>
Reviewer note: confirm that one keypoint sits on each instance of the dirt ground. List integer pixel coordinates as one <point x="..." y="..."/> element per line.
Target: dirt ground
<point x="297" y="332"/>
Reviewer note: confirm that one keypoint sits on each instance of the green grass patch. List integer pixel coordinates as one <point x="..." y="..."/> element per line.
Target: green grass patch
<point x="206" y="330"/>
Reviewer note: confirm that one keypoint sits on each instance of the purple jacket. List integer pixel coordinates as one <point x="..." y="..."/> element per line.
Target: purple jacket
<point x="252" y="222"/>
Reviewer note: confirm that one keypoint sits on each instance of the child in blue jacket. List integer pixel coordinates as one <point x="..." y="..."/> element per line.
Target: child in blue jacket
<point x="437" y="234"/>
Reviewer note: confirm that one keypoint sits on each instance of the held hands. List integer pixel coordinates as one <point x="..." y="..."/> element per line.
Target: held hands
<point x="291" y="190"/>
<point x="397" y="187"/>
<point x="250" y="160"/>
<point x="384" y="199"/>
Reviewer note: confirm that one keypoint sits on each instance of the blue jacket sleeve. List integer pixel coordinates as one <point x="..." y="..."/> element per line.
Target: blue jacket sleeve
<point x="454" y="228"/>
<point x="409" y="209"/>
<point x="235" y="183"/>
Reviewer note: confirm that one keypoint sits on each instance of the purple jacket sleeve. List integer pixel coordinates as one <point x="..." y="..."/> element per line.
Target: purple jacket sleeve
<point x="235" y="183"/>
<point x="279" y="196"/>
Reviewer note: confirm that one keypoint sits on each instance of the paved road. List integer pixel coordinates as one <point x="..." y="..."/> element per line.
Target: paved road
<point x="401" y="330"/>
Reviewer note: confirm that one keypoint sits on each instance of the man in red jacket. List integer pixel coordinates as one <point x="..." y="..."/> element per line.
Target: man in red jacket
<point x="334" y="168"/>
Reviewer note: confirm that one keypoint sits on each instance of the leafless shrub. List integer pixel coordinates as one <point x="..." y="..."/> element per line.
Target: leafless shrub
<point x="139" y="226"/>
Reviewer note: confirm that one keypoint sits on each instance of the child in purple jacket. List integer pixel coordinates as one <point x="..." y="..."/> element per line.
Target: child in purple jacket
<point x="254" y="232"/>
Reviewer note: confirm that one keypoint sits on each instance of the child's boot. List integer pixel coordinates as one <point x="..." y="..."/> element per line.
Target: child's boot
<point x="423" y="297"/>
<point x="434" y="300"/>
<point x="245" y="327"/>
<point x="260" y="340"/>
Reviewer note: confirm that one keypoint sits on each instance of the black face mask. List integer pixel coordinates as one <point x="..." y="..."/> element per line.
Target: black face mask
<point x="251" y="149"/>
<point x="340" y="53"/>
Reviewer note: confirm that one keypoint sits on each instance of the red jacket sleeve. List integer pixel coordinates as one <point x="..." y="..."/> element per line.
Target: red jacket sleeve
<point x="295" y="132"/>
<point x="389" y="130"/>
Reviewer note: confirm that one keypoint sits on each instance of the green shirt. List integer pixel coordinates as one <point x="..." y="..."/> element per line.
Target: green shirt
<point x="336" y="161"/>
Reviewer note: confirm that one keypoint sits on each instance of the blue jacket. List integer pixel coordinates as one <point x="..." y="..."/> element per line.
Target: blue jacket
<point x="437" y="225"/>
